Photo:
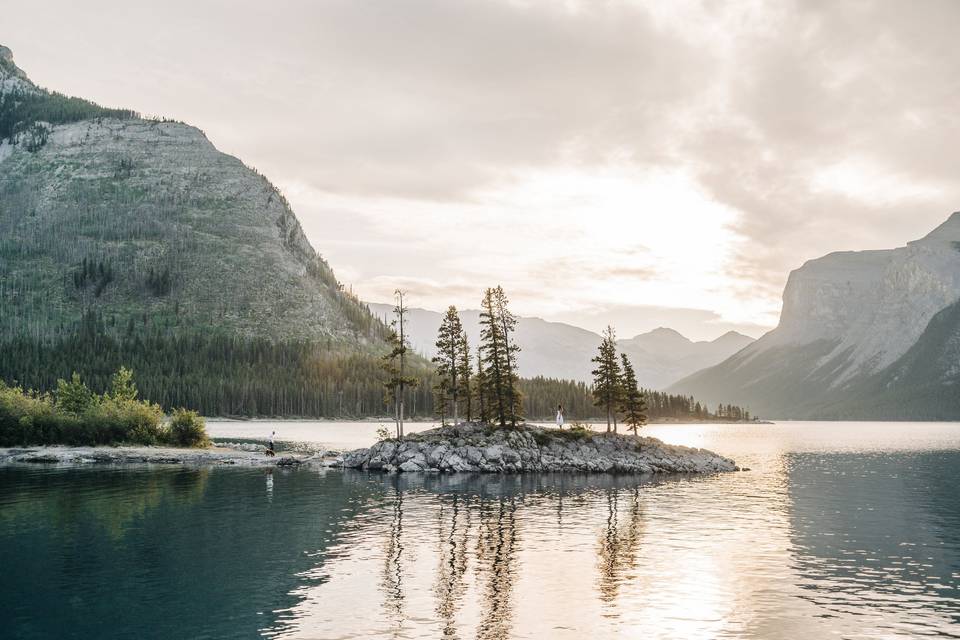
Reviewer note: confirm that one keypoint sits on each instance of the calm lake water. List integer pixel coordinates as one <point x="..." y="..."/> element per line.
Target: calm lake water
<point x="846" y="530"/>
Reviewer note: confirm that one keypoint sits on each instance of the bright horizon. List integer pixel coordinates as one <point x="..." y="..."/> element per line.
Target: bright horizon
<point x="633" y="163"/>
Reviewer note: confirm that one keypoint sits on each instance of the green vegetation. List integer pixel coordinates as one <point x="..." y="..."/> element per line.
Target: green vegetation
<point x="22" y="108"/>
<point x="75" y="415"/>
<point x="577" y="431"/>
<point x="394" y="364"/>
<point x="633" y="405"/>
<point x="453" y="366"/>
<point x="607" y="385"/>
<point x="498" y="383"/>
<point x="615" y="390"/>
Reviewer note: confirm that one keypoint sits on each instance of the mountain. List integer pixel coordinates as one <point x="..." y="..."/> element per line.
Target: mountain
<point x="135" y="218"/>
<point x="865" y="335"/>
<point x="134" y="241"/>
<point x="558" y="350"/>
<point x="127" y="241"/>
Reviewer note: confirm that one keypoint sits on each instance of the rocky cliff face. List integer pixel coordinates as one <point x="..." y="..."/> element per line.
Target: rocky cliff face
<point x="848" y="320"/>
<point x="145" y="222"/>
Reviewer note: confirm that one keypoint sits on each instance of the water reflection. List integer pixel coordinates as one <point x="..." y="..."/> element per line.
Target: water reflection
<point x="392" y="584"/>
<point x="496" y="549"/>
<point x="811" y="543"/>
<point x="618" y="545"/>
<point x="453" y="525"/>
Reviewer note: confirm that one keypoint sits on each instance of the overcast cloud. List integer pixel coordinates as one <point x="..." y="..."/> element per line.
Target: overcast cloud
<point x="647" y="163"/>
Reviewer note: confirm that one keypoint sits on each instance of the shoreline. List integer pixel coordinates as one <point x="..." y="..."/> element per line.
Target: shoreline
<point x="213" y="456"/>
<point x="390" y="420"/>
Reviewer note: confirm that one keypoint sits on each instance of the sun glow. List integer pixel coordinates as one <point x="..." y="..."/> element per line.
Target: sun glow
<point x="561" y="240"/>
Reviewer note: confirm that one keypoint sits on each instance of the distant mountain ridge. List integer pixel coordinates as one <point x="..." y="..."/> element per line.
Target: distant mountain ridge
<point x="865" y="335"/>
<point x="560" y="350"/>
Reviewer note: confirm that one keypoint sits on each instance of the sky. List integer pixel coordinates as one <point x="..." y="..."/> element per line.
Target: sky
<point x="637" y="163"/>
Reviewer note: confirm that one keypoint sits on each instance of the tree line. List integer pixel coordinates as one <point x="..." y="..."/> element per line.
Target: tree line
<point x="484" y="385"/>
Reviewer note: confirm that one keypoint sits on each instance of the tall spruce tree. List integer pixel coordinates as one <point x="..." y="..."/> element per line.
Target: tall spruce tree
<point x="451" y="345"/>
<point x="508" y="324"/>
<point x="491" y="358"/>
<point x="395" y="363"/>
<point x="498" y="359"/>
<point x="606" y="377"/>
<point x="633" y="404"/>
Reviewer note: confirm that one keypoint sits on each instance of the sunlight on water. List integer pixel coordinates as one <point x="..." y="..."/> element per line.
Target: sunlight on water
<point x="846" y="531"/>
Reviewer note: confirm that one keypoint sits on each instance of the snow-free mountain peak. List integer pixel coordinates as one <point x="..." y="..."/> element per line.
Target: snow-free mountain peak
<point x="847" y="318"/>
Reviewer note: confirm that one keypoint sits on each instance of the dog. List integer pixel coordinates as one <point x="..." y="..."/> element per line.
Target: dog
<point x="270" y="453"/>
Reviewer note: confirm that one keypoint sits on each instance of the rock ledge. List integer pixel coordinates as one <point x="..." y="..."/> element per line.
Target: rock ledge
<point x="481" y="448"/>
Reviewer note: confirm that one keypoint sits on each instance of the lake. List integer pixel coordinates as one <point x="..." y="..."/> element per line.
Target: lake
<point x="847" y="530"/>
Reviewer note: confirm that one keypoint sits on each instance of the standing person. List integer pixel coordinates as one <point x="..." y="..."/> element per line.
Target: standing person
<point x="560" y="416"/>
<point x="272" y="435"/>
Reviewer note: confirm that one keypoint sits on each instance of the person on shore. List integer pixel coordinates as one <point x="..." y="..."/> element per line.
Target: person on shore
<point x="272" y="436"/>
<point x="560" y="416"/>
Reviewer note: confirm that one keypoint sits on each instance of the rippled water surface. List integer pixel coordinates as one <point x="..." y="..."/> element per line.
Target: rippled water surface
<point x="838" y="530"/>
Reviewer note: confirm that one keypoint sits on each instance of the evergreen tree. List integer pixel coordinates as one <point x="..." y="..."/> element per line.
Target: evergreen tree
<point x="633" y="405"/>
<point x="498" y="359"/>
<point x="73" y="397"/>
<point x="395" y="363"/>
<point x="508" y="324"/>
<point x="451" y="341"/>
<point x="122" y="386"/>
<point x="606" y="377"/>
<point x="441" y="400"/>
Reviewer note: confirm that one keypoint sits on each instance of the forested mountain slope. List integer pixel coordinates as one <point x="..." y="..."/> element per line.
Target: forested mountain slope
<point x="146" y="222"/>
<point x="126" y="240"/>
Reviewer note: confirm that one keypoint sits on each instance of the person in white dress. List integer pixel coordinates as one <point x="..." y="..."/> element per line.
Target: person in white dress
<point x="560" y="416"/>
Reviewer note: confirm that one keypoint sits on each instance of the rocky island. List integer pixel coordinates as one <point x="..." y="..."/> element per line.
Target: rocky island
<point x="472" y="447"/>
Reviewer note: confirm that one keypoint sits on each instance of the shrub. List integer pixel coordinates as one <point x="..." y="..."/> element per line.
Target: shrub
<point x="577" y="431"/>
<point x="73" y="397"/>
<point x="74" y="415"/>
<point x="187" y="429"/>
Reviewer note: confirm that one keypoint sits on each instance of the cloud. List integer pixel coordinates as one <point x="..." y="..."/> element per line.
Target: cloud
<point x="589" y="156"/>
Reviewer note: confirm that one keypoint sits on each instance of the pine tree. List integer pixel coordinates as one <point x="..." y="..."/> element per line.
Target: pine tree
<point x="441" y="400"/>
<point x="395" y="363"/>
<point x="122" y="386"/>
<point x="606" y="377"/>
<point x="491" y="358"/>
<point x="498" y="359"/>
<point x="73" y="397"/>
<point x="508" y="324"/>
<point x="633" y="405"/>
<point x="451" y="340"/>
